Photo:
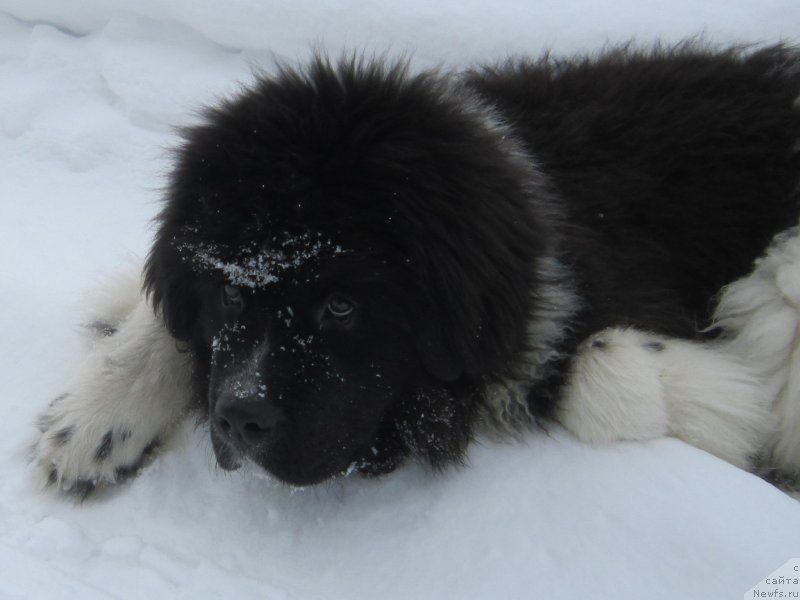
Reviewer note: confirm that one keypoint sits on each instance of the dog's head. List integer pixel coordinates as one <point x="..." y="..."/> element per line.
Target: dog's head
<point x="348" y="251"/>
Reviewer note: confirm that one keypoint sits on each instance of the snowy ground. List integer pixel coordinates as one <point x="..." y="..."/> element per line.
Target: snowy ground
<point x="89" y="93"/>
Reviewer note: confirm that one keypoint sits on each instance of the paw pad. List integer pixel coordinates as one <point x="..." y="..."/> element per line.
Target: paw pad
<point x="654" y="346"/>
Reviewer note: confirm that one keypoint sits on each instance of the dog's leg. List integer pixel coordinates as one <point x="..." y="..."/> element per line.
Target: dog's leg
<point x="122" y="403"/>
<point x="629" y="385"/>
<point x="760" y="318"/>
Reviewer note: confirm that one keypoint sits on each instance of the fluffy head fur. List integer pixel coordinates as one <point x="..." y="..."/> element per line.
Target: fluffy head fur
<point x="400" y="193"/>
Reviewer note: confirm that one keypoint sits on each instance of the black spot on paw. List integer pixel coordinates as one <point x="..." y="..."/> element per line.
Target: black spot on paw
<point x="104" y="449"/>
<point x="53" y="477"/>
<point x="58" y="399"/>
<point x="44" y="423"/>
<point x="82" y="488"/>
<point x="149" y="453"/>
<point x="102" y="328"/>
<point x="127" y="471"/>
<point x="151" y="449"/>
<point x="785" y="481"/>
<point x="654" y="346"/>
<point x="62" y="436"/>
<point x="599" y="344"/>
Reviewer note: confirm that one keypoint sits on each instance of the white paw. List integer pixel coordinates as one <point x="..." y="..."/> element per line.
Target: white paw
<point x="614" y="390"/>
<point x="124" y="400"/>
<point x="626" y="384"/>
<point x="83" y="447"/>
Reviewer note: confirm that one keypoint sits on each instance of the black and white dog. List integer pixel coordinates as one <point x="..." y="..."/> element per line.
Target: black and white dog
<point x="356" y="264"/>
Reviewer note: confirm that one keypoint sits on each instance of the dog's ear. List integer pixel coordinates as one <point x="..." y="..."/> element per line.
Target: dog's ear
<point x="467" y="324"/>
<point x="440" y="320"/>
<point x="435" y="357"/>
<point x="171" y="293"/>
<point x="179" y="310"/>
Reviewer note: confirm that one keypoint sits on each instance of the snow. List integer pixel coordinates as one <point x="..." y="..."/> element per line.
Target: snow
<point x="91" y="93"/>
<point x="256" y="267"/>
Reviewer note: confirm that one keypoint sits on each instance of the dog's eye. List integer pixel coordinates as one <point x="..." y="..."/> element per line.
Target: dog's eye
<point x="340" y="307"/>
<point x="232" y="296"/>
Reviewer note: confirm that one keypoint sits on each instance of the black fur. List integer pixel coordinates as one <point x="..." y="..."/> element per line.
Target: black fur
<point x="127" y="471"/>
<point x="651" y="178"/>
<point x="62" y="436"/>
<point x="105" y="447"/>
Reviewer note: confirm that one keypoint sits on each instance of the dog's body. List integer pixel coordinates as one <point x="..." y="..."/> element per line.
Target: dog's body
<point x="359" y="264"/>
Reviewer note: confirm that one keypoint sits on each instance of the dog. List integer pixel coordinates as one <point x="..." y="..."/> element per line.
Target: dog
<point x="357" y="264"/>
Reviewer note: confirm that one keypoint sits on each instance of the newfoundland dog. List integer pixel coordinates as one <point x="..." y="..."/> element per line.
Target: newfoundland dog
<point x="357" y="264"/>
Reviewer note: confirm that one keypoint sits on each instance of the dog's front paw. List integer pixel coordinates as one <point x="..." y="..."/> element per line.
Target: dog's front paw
<point x="84" y="446"/>
<point x="125" y="399"/>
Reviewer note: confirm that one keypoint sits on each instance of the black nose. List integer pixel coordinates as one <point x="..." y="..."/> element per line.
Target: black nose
<point x="244" y="421"/>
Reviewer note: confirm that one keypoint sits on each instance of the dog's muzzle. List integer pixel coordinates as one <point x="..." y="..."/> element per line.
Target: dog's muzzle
<point x="245" y="422"/>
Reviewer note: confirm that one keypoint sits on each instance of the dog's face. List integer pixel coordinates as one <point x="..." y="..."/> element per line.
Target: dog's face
<point x="348" y="253"/>
<point x="305" y="367"/>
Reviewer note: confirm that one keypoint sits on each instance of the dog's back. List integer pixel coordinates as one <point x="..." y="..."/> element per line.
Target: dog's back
<point x="676" y="169"/>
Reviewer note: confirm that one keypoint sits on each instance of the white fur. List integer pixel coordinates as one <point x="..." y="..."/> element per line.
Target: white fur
<point x="625" y="384"/>
<point x="760" y="317"/>
<point x="614" y="390"/>
<point x="134" y="384"/>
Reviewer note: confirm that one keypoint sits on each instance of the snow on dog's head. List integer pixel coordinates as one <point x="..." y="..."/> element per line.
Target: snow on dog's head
<point x="347" y="250"/>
